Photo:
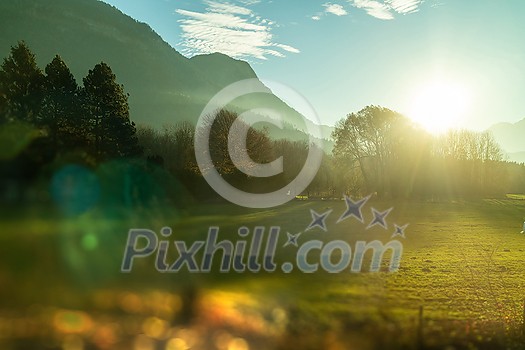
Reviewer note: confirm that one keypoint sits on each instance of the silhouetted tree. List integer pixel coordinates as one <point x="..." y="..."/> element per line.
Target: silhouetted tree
<point x="106" y="104"/>
<point x="21" y="85"/>
<point x="3" y="107"/>
<point x="61" y="112"/>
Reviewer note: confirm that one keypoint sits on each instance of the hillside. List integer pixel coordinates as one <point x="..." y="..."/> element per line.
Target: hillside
<point x="511" y="137"/>
<point x="164" y="86"/>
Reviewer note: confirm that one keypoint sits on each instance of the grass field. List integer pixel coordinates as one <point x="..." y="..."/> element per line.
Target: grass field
<point x="463" y="266"/>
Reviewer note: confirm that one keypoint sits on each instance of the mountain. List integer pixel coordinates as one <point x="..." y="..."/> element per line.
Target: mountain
<point x="511" y="137"/>
<point x="224" y="68"/>
<point x="164" y="86"/>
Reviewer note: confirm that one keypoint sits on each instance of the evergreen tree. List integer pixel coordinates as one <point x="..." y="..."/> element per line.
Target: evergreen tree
<point x="21" y="85"/>
<point x="111" y="131"/>
<point x="3" y="107"/>
<point x="60" y="112"/>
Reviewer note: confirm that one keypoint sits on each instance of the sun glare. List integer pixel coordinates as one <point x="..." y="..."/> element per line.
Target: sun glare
<point x="439" y="106"/>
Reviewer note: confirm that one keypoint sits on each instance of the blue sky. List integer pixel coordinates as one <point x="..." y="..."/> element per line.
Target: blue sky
<point x="344" y="55"/>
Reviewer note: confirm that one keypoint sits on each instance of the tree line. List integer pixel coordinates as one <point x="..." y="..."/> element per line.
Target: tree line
<point x="45" y="115"/>
<point x="376" y="150"/>
<point x="384" y="152"/>
<point x="173" y="148"/>
<point x="47" y="118"/>
<point x="93" y="117"/>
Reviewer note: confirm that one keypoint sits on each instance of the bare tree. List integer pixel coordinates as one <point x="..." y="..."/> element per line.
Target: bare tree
<point x="371" y="140"/>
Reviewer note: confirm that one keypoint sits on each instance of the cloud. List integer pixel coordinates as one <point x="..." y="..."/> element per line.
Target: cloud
<point x="386" y="9"/>
<point x="404" y="6"/>
<point x="228" y="8"/>
<point x="250" y="2"/>
<point x="287" y="48"/>
<point x="335" y="9"/>
<point x="231" y="29"/>
<point x="316" y="18"/>
<point x="374" y="8"/>
<point x="215" y="19"/>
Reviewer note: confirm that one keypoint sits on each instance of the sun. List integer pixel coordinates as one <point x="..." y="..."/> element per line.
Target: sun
<point x="439" y="105"/>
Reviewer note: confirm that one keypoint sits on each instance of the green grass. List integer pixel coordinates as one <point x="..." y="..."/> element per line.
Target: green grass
<point x="463" y="262"/>
<point x="516" y="196"/>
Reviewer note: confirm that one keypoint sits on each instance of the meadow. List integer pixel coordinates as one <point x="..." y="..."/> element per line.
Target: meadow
<point x="460" y="283"/>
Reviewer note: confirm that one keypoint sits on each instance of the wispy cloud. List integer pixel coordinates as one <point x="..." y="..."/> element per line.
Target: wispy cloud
<point x="232" y="29"/>
<point x="386" y="9"/>
<point x="405" y="6"/>
<point x="287" y="48"/>
<point x="374" y="8"/>
<point x="381" y="9"/>
<point x="335" y="9"/>
<point x="228" y="8"/>
<point x="250" y="2"/>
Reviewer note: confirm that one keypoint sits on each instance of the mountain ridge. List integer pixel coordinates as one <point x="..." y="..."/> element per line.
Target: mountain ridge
<point x="165" y="87"/>
<point x="511" y="138"/>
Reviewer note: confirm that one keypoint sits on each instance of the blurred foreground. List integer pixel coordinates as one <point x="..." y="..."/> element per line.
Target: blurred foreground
<point x="62" y="287"/>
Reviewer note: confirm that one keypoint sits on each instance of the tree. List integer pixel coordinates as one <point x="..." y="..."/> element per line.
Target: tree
<point x="182" y="134"/>
<point x="21" y="85"/>
<point x="371" y="140"/>
<point x="473" y="161"/>
<point x="60" y="113"/>
<point x="110" y="129"/>
<point x="490" y="150"/>
<point x="3" y="107"/>
<point x="175" y="145"/>
<point x="258" y="145"/>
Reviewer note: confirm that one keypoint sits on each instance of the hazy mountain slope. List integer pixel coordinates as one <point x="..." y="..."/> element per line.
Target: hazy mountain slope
<point x="225" y="69"/>
<point x="164" y="86"/>
<point x="511" y="138"/>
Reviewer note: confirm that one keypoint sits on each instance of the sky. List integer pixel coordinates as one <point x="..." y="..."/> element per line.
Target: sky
<point x="463" y="59"/>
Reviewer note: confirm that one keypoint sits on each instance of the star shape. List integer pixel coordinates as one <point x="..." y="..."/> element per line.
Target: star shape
<point x="318" y="220"/>
<point x="353" y="208"/>
<point x="400" y="231"/>
<point x="292" y="239"/>
<point x="379" y="218"/>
